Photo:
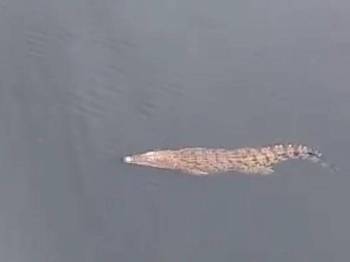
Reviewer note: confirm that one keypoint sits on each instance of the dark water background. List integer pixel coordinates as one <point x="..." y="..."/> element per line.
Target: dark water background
<point x="83" y="83"/>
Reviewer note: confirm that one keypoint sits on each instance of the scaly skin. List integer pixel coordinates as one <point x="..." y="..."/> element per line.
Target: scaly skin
<point x="205" y="161"/>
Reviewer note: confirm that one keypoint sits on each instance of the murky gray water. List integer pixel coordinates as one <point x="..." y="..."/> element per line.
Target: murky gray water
<point x="84" y="83"/>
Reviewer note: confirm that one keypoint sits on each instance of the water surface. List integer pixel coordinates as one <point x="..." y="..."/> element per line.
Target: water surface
<point x="82" y="84"/>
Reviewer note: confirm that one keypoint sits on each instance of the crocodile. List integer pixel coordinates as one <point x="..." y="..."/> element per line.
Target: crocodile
<point x="201" y="161"/>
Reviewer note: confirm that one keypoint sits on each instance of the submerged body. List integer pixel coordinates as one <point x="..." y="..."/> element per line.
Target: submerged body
<point x="205" y="161"/>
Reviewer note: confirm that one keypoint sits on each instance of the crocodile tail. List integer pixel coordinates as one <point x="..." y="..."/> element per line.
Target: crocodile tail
<point x="317" y="157"/>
